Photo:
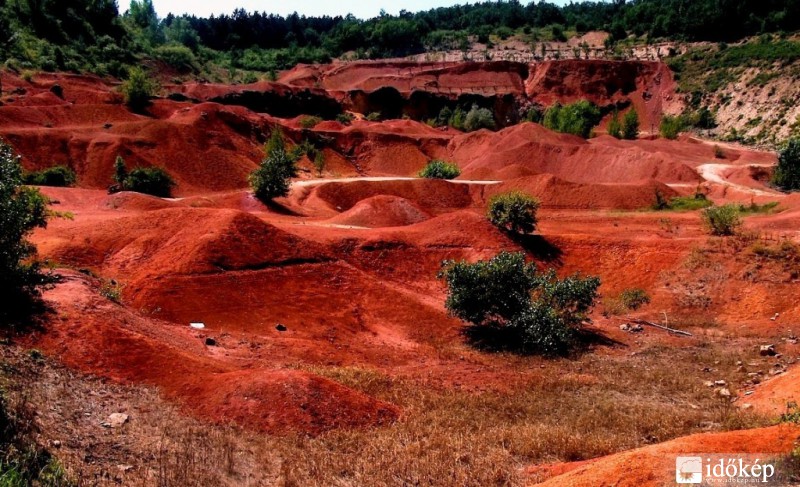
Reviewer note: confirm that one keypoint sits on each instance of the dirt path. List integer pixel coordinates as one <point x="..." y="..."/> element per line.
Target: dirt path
<point x="316" y="182"/>
<point x="714" y="173"/>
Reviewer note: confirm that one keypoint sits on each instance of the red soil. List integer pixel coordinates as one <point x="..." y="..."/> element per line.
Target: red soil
<point x="126" y="346"/>
<point x="655" y="465"/>
<point x="349" y="268"/>
<point x="381" y="211"/>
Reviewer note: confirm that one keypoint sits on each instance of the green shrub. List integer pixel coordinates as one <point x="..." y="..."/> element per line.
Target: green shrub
<point x="513" y="211"/>
<point x="310" y="122"/>
<point x="787" y="173"/>
<point x="374" y="117"/>
<point x="479" y="118"/>
<point x="319" y="163"/>
<point x="60" y="176"/>
<point x="718" y="152"/>
<point x="154" y="181"/>
<point x="274" y="175"/>
<point x="179" y="57"/>
<point x="670" y="127"/>
<point x="438" y="169"/>
<point x="722" y="220"/>
<point x="345" y="118"/>
<point x="697" y="201"/>
<point x="511" y="306"/>
<point x="614" y="126"/>
<point x="634" y="298"/>
<point x="22" y="209"/>
<point x="138" y="89"/>
<point x="150" y="180"/>
<point x="630" y="125"/>
<point x="577" y="118"/>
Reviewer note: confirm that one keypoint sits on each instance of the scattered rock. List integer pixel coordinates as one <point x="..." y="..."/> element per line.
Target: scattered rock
<point x="775" y="317"/>
<point x="281" y="327"/>
<point x="724" y="392"/>
<point x="115" y="420"/>
<point x="720" y="383"/>
<point x="708" y="383"/>
<point x="746" y="406"/>
<point x="107" y="125"/>
<point x="125" y="468"/>
<point x="767" y="350"/>
<point x="56" y="444"/>
<point x="210" y="342"/>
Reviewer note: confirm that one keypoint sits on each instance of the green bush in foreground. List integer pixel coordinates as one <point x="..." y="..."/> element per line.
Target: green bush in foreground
<point x="511" y="306"/>
<point x="439" y="169"/>
<point x="22" y="210"/>
<point x="514" y="212"/>
<point x="722" y="220"/>
<point x="60" y="176"/>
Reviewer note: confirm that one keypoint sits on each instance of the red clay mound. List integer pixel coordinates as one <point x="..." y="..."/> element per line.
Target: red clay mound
<point x="113" y="342"/>
<point x="381" y="211"/>
<point x="655" y="465"/>
<point x="528" y="149"/>
<point x="432" y="196"/>
<point x="204" y="147"/>
<point x="774" y="396"/>
<point x="179" y="241"/>
<point x="553" y="192"/>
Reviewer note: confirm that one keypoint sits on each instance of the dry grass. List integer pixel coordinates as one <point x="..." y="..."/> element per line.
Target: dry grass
<point x="564" y="410"/>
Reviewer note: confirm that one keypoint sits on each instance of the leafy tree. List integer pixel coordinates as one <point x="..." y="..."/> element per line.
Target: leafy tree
<point x="120" y="171"/>
<point x="154" y="181"/>
<point x="274" y="175"/>
<point x="22" y="209"/>
<point x="521" y="310"/>
<point x="670" y="127"/>
<point x="138" y="89"/>
<point x="722" y="220"/>
<point x="787" y="173"/>
<point x="479" y="118"/>
<point x="61" y="176"/>
<point x="576" y="118"/>
<point x="614" y="126"/>
<point x="439" y="169"/>
<point x="513" y="211"/>
<point x="630" y="125"/>
<point x="150" y="180"/>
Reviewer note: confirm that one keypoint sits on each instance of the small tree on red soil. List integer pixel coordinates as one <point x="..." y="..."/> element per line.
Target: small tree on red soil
<point x="514" y="212"/>
<point x="274" y="175"/>
<point x="22" y="209"/>
<point x="511" y="306"/>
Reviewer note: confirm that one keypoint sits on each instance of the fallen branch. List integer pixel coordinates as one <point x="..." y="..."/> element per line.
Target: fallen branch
<point x="656" y="325"/>
<point x="662" y="327"/>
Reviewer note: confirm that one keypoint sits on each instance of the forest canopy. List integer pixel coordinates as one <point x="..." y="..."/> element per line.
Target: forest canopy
<point x="93" y="36"/>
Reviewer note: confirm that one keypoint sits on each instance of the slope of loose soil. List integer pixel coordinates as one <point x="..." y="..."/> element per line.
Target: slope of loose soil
<point x="655" y="465"/>
<point x="129" y="348"/>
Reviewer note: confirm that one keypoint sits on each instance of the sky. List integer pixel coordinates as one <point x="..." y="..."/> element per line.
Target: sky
<point x="362" y="9"/>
